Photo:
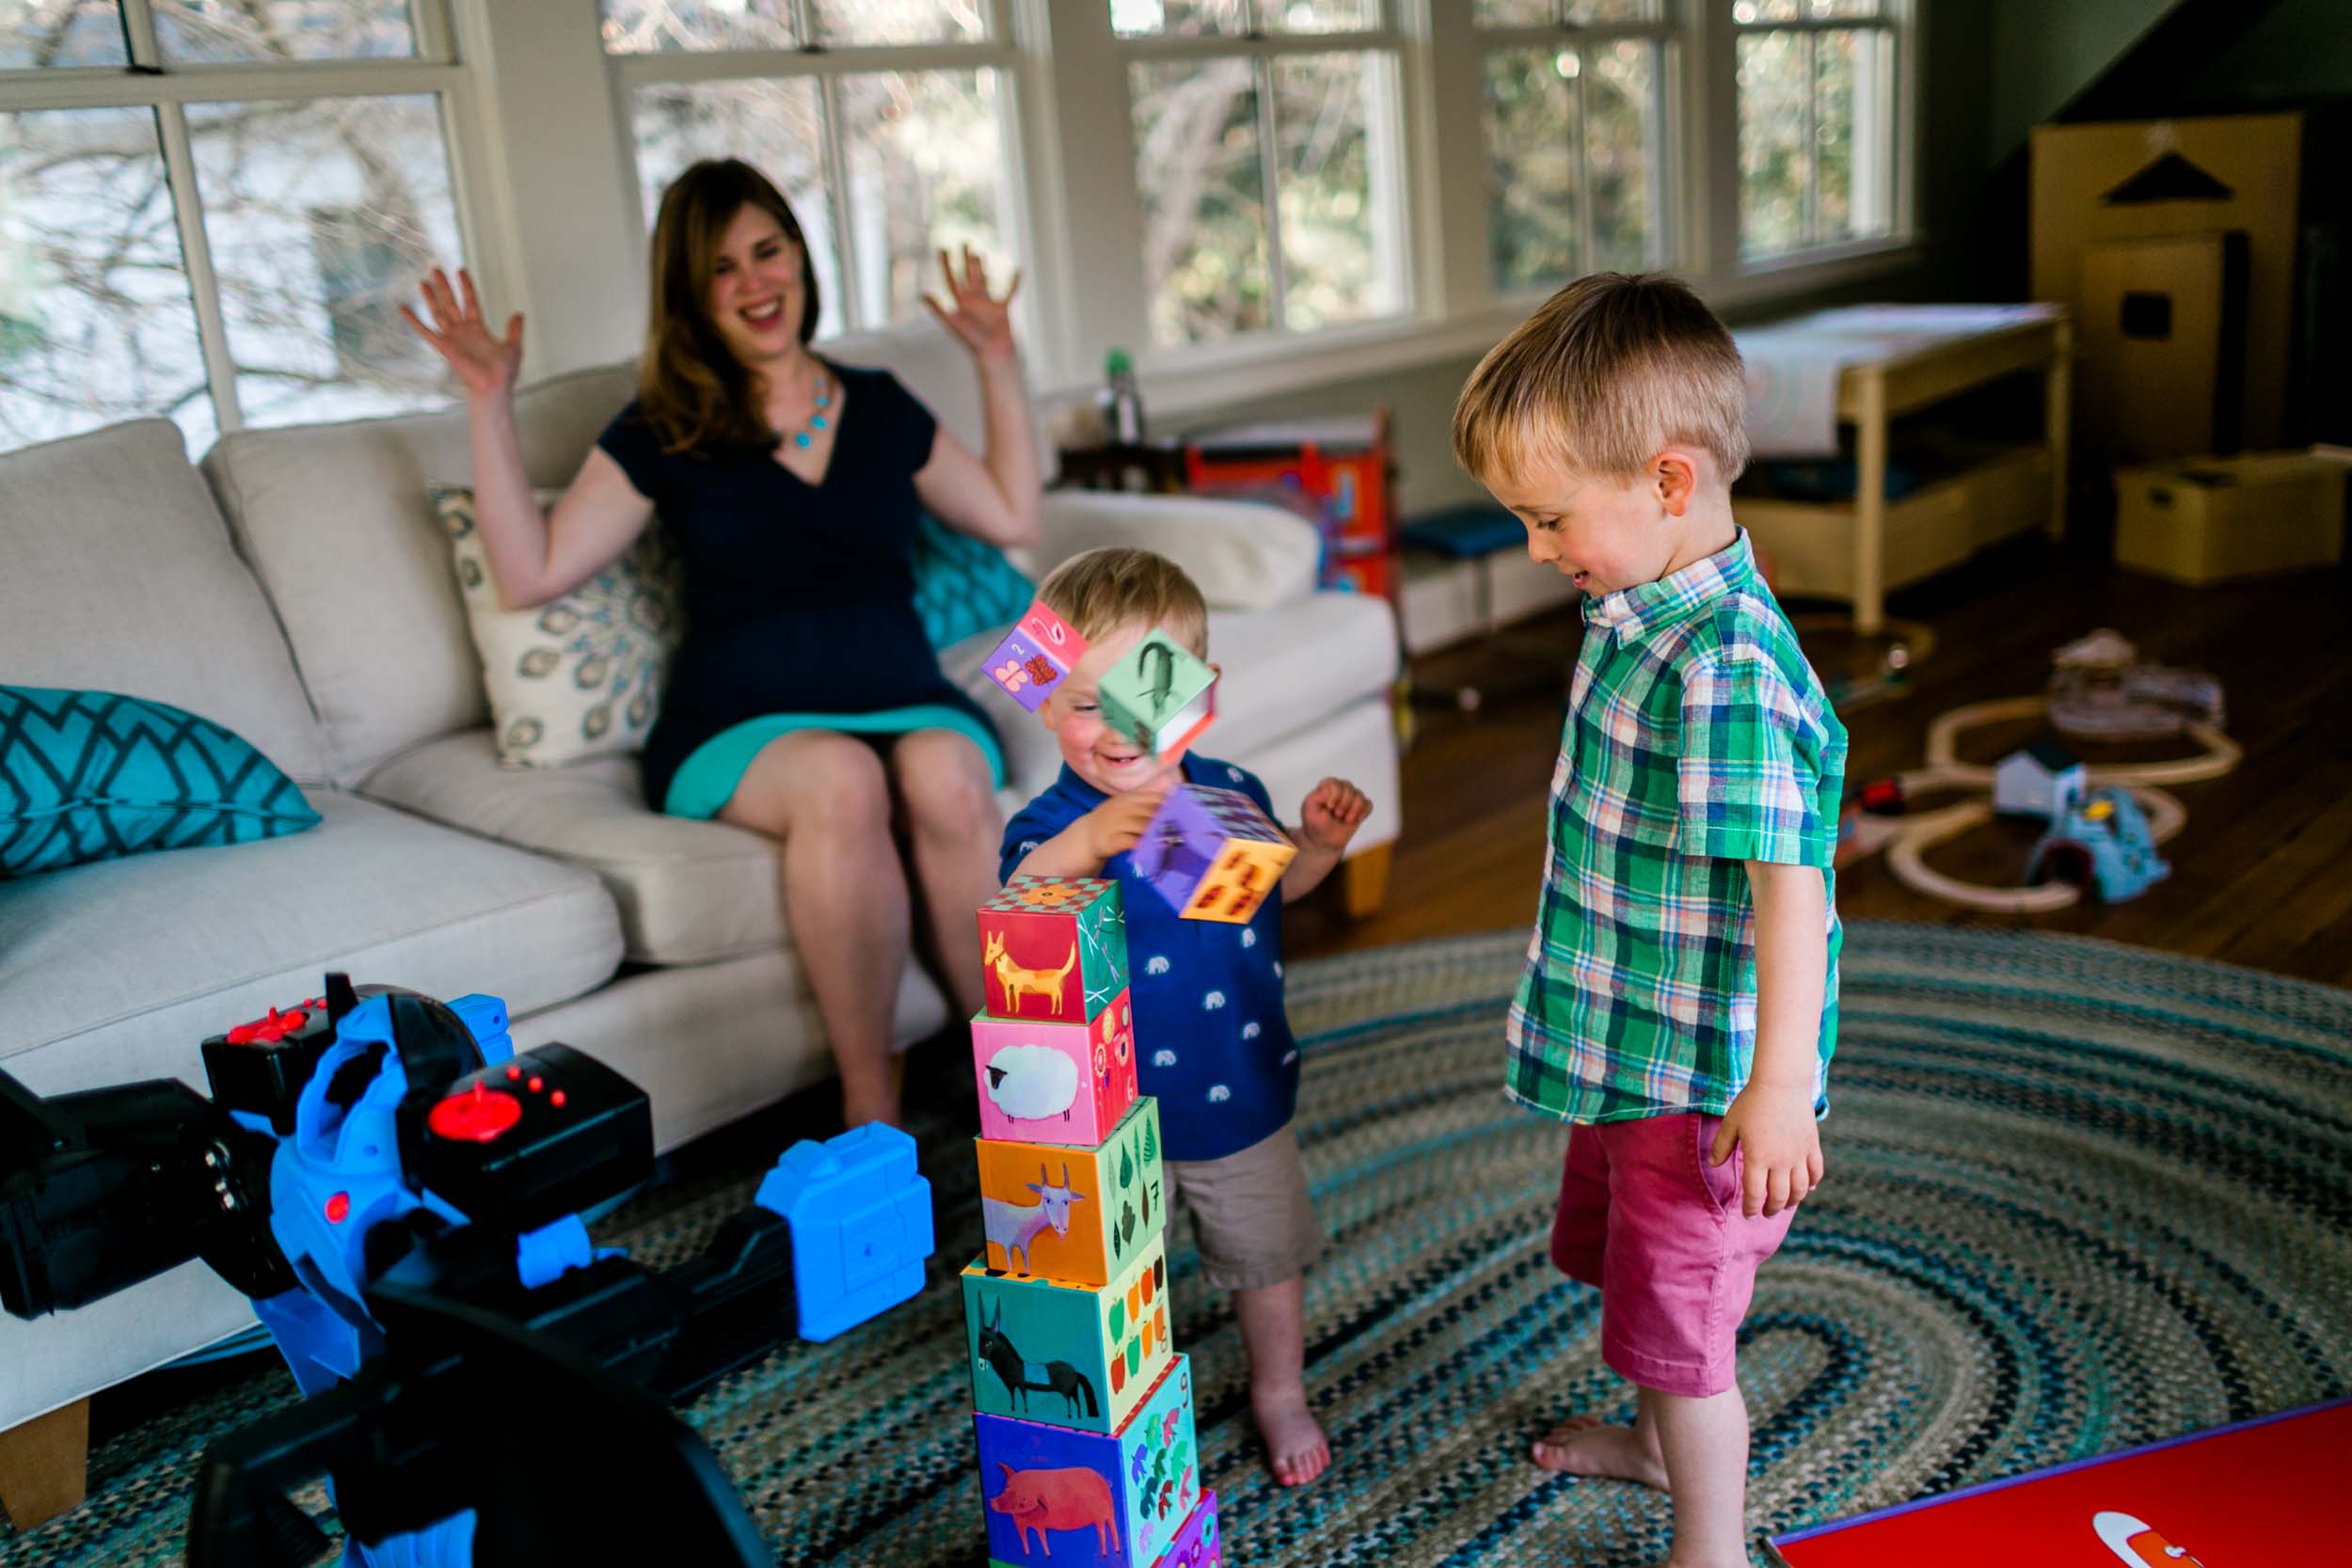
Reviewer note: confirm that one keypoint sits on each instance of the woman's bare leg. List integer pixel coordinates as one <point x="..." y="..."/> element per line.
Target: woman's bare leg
<point x="845" y="898"/>
<point x="955" y="830"/>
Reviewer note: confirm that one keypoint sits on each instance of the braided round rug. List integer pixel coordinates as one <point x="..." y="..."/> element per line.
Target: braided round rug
<point x="2081" y="1196"/>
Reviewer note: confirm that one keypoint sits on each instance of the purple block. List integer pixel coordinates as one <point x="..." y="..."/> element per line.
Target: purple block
<point x="1197" y="1546"/>
<point x="1179" y="846"/>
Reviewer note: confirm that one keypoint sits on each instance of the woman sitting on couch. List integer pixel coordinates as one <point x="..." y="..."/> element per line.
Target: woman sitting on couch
<point x="806" y="702"/>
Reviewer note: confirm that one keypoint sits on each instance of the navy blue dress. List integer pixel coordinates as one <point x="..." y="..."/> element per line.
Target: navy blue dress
<point x="799" y="599"/>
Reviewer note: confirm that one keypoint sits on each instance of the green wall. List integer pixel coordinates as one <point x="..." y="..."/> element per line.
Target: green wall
<point x="2047" y="51"/>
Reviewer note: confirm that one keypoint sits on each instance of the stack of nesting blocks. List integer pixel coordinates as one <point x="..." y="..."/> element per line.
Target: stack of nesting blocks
<point x="1083" y="1407"/>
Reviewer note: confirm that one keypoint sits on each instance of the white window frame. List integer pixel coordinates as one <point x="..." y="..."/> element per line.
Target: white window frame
<point x="1900" y="19"/>
<point x="153" y="82"/>
<point x="825" y="65"/>
<point x="1391" y="227"/>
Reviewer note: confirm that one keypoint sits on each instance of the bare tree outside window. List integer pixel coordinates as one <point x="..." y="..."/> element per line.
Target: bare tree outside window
<point x="313" y="217"/>
<point x="44" y="35"/>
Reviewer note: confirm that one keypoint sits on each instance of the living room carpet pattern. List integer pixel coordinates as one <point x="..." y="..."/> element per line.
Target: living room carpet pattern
<point x="2080" y="1196"/>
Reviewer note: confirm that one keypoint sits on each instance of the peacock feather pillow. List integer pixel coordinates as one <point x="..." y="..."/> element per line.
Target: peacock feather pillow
<point x="579" y="676"/>
<point x="89" y="775"/>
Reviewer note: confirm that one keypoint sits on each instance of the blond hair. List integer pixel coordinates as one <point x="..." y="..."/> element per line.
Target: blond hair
<point x="1100" y="590"/>
<point x="1607" y="374"/>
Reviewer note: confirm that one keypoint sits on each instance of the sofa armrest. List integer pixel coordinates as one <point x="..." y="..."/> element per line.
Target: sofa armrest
<point x="1245" y="555"/>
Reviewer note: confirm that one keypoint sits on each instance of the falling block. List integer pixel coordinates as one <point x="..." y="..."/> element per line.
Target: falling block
<point x="1036" y="656"/>
<point x="1057" y="1498"/>
<point x="1197" y="1544"/>
<point x="1076" y="1215"/>
<point x="1052" y="947"/>
<point x="1060" y="1083"/>
<point x="1160" y="694"/>
<point x="1212" y="853"/>
<point x="1069" y="1355"/>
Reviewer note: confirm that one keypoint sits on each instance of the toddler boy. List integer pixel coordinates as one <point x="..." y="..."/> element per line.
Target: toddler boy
<point x="1679" y="1003"/>
<point x="1212" y="1043"/>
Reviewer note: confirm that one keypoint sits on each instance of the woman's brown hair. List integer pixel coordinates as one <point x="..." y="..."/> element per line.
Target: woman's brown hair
<point x="691" y="387"/>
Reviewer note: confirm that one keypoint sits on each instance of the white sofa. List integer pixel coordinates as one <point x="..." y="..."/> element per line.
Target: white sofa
<point x="305" y="598"/>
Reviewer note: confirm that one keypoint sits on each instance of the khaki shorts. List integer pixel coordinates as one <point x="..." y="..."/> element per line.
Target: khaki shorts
<point x="1250" y="1212"/>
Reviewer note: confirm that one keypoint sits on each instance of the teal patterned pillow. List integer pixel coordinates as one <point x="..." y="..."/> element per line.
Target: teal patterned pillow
<point x="88" y="775"/>
<point x="964" y="585"/>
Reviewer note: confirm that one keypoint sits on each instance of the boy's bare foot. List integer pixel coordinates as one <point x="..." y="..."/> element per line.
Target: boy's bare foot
<point x="1584" y="1446"/>
<point x="1295" y="1445"/>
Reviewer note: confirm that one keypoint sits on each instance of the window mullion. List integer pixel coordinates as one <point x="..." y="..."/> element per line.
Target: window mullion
<point x="1812" y="140"/>
<point x="837" y="185"/>
<point x="1269" y="178"/>
<point x="212" y="326"/>
<point x="429" y="21"/>
<point x="139" y="27"/>
<point x="1578" y="108"/>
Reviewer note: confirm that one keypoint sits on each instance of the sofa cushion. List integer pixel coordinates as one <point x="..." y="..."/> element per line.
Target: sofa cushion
<point x="338" y="524"/>
<point x="116" y="971"/>
<point x="1289" y="667"/>
<point x="579" y="675"/>
<point x="688" y="891"/>
<point x="89" y="775"/>
<point x="119" y="576"/>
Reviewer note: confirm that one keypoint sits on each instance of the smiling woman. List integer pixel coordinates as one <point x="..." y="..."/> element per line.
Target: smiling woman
<point x="806" y="702"/>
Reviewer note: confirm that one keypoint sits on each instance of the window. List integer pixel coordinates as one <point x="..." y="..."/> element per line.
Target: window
<point x="884" y="123"/>
<point x="1575" y="95"/>
<point x="1268" y="163"/>
<point x="1817" y="122"/>
<point x="209" y="235"/>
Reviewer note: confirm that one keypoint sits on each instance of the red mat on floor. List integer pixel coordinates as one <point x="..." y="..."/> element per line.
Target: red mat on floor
<point x="2265" y="1494"/>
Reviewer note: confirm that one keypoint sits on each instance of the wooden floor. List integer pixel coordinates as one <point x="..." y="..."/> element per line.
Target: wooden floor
<point x="2262" y="874"/>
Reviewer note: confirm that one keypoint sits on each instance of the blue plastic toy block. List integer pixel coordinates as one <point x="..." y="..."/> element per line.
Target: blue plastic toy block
<point x="860" y="1218"/>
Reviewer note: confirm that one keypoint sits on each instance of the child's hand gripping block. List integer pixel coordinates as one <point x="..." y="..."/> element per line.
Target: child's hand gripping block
<point x="1066" y="1084"/>
<point x="1052" y="947"/>
<point x="1036" y="656"/>
<point x="1213" y="854"/>
<point x="1159" y="695"/>
<point x="860" y="1220"/>
<point x="1077" y="1215"/>
<point x="1056" y="1498"/>
<point x="1072" y="1356"/>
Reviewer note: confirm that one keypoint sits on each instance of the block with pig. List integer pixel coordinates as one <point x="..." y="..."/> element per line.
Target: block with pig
<point x="1160" y="695"/>
<point x="1057" y="1498"/>
<point x="1036" y="656"/>
<point x="1068" y="1355"/>
<point x="1052" y="947"/>
<point x="1213" y="854"/>
<point x="1197" y="1544"/>
<point x="1077" y="1215"/>
<point x="1067" y="1084"/>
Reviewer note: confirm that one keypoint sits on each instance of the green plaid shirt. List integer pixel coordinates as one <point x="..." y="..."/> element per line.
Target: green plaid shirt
<point x="1697" y="738"/>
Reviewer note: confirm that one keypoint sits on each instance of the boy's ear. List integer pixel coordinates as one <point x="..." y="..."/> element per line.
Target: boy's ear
<point x="1676" y="480"/>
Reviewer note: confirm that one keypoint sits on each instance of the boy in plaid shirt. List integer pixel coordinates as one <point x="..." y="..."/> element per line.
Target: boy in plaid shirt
<point x="1681" y="999"/>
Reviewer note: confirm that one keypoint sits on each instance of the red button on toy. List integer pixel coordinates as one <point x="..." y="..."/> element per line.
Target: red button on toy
<point x="270" y="1030"/>
<point x="478" y="1115"/>
<point x="338" y="1207"/>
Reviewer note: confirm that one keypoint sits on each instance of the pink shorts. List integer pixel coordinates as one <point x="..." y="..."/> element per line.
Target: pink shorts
<point x="1644" y="1216"/>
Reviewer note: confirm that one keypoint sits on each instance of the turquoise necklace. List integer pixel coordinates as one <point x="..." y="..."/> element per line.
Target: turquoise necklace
<point x="807" y="436"/>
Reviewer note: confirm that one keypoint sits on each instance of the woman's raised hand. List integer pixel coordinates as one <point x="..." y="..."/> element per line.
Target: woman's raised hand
<point x="486" y="365"/>
<point x="981" y="320"/>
